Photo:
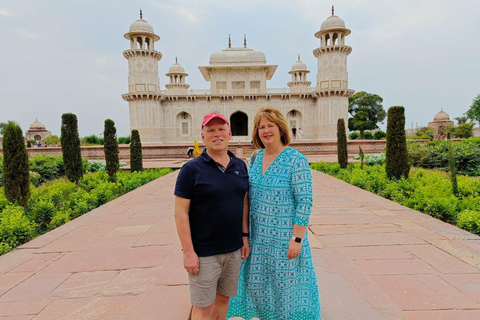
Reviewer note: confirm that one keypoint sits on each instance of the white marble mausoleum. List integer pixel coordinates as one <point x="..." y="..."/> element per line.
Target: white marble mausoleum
<point x="238" y="87"/>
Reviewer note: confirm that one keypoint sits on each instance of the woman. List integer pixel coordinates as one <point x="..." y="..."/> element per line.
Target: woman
<point x="277" y="281"/>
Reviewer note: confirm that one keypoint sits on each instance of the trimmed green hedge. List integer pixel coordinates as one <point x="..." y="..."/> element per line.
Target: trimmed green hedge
<point x="57" y="202"/>
<point x="427" y="191"/>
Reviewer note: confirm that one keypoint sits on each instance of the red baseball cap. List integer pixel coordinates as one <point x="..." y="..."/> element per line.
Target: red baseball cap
<point x="213" y="115"/>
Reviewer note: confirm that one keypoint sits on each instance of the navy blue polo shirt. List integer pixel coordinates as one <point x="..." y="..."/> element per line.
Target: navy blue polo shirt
<point x="216" y="206"/>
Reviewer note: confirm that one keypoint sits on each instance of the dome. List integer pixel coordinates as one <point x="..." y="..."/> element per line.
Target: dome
<point x="141" y="27"/>
<point x="333" y="22"/>
<point x="299" y="65"/>
<point x="176" y="68"/>
<point x="237" y="56"/>
<point x="441" y="116"/>
<point x="37" y="125"/>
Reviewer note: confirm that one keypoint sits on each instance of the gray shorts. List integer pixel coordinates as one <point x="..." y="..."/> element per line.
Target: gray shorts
<point x="217" y="274"/>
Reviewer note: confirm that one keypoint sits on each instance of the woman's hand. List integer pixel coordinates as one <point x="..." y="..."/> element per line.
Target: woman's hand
<point x="191" y="263"/>
<point x="294" y="249"/>
<point x="245" y="248"/>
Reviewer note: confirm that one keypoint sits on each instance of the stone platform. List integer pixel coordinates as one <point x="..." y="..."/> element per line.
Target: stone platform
<point x="374" y="260"/>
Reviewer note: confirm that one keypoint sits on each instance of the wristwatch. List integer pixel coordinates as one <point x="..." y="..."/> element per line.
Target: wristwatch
<point x="297" y="239"/>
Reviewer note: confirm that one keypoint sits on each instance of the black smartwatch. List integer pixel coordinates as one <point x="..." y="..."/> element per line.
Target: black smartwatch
<point x="297" y="239"/>
<point x="245" y="234"/>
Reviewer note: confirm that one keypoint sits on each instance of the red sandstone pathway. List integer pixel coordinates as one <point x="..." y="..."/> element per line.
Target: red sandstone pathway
<point x="374" y="259"/>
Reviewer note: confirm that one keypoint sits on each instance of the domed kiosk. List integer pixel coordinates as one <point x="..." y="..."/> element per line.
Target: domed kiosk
<point x="37" y="131"/>
<point x="440" y="121"/>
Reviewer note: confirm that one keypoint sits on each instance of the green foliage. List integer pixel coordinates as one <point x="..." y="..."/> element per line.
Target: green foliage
<point x="461" y="120"/>
<point x="3" y="126"/>
<point x="434" y="154"/>
<point x="342" y="151"/>
<point x="361" y="155"/>
<point x="48" y="167"/>
<point x="72" y="157"/>
<point x="136" y="156"/>
<point x="378" y="135"/>
<point x="373" y="159"/>
<point x="366" y="110"/>
<point x="354" y="135"/>
<point x="29" y="144"/>
<point x="16" y="180"/>
<point x="15" y="227"/>
<point x="42" y="213"/>
<point x="367" y="135"/>
<point x="52" y="140"/>
<point x="452" y="169"/>
<point x="111" y="149"/>
<point x="397" y="165"/>
<point x="464" y="130"/>
<point x="124" y="140"/>
<point x="474" y="111"/>
<point x="423" y="133"/>
<point x="469" y="220"/>
<point x="427" y="191"/>
<point x="92" y="140"/>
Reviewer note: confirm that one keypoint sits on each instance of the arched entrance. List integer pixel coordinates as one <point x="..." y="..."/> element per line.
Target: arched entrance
<point x="239" y="124"/>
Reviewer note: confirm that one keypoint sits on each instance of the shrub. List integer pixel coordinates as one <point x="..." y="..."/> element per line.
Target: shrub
<point x="124" y="140"/>
<point x="29" y="144"/>
<point x="397" y="165"/>
<point x="136" y="157"/>
<point x="452" y="169"/>
<point x="59" y="219"/>
<point x="378" y="135"/>
<point x="354" y="135"/>
<point x="42" y="213"/>
<point x="72" y="157"/>
<point x="111" y="149"/>
<point x="92" y="140"/>
<point x="469" y="220"/>
<point x="48" y="167"/>
<point x="16" y="180"/>
<point x="15" y="227"/>
<point x="367" y="135"/>
<point x="342" y="144"/>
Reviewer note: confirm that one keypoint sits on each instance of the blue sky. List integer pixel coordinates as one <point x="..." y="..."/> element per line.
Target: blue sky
<point x="62" y="56"/>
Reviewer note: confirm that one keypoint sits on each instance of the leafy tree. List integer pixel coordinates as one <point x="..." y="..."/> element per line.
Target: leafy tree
<point x="474" y="111"/>
<point x="72" y="155"/>
<point x="110" y="147"/>
<point x="461" y="120"/>
<point x="396" y="154"/>
<point x="3" y="126"/>
<point x="354" y="136"/>
<point x="52" y="140"/>
<point x="464" y="130"/>
<point x="16" y="177"/>
<point x="366" y="110"/>
<point x="342" y="144"/>
<point x="136" y="157"/>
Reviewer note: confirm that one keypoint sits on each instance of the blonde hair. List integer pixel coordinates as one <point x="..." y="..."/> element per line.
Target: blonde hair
<point x="274" y="115"/>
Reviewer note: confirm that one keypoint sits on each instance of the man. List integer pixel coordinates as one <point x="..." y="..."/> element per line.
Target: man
<point x="211" y="214"/>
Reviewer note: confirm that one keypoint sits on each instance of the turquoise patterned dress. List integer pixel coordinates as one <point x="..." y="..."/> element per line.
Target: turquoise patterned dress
<point x="272" y="287"/>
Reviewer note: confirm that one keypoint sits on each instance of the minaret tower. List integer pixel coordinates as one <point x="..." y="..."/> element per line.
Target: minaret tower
<point x="177" y="76"/>
<point x="299" y="81"/>
<point x="143" y="82"/>
<point x="332" y="91"/>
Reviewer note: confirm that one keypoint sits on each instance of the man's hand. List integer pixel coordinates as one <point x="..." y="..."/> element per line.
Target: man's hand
<point x="245" y="248"/>
<point x="294" y="249"/>
<point x="191" y="263"/>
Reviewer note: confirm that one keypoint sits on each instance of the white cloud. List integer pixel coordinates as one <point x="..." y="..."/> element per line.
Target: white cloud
<point x="27" y="34"/>
<point x="5" y="13"/>
<point x="189" y="15"/>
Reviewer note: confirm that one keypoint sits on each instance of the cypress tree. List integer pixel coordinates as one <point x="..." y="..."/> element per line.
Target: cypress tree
<point x="136" y="157"/>
<point x="452" y="169"/>
<point x="110" y="147"/>
<point x="72" y="154"/>
<point x="342" y="144"/>
<point x="16" y="176"/>
<point x="396" y="154"/>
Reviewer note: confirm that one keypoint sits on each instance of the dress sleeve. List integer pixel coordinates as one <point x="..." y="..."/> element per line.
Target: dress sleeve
<point x="301" y="184"/>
